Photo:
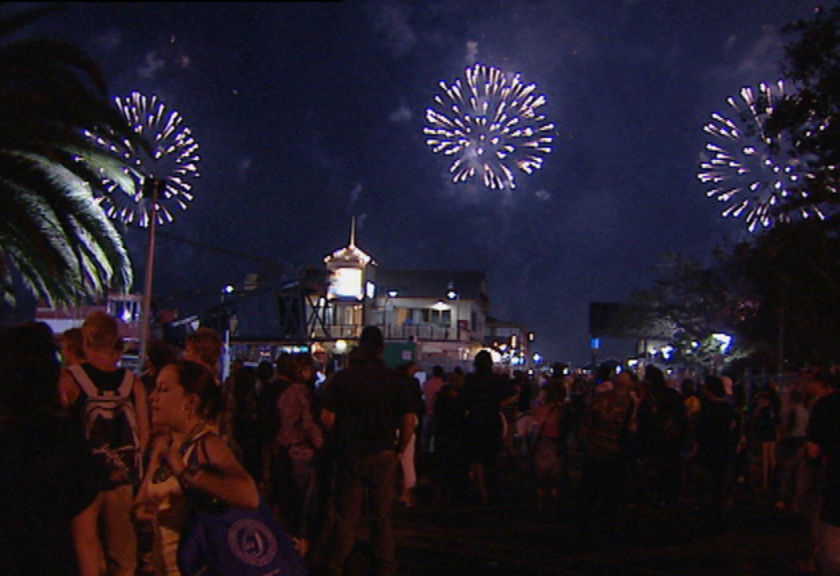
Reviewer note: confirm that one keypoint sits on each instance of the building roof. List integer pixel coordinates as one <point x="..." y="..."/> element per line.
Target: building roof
<point x="469" y="284"/>
<point x="350" y="254"/>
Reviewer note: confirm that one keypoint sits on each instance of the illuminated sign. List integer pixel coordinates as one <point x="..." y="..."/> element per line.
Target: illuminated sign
<point x="346" y="283"/>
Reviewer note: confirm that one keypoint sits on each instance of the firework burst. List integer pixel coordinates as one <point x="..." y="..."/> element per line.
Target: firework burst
<point x="751" y="170"/>
<point x="491" y="125"/>
<point x="156" y="179"/>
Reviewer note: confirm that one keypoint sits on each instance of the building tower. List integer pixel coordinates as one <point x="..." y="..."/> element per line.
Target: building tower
<point x="348" y="288"/>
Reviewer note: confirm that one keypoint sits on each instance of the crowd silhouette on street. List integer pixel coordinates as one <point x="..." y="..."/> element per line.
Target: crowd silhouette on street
<point x="327" y="449"/>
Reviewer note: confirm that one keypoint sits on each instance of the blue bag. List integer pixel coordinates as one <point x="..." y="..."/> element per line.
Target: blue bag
<point x="223" y="540"/>
<point x="237" y="541"/>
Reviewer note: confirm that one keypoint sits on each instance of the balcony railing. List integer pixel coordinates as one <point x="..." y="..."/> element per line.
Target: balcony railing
<point x="425" y="332"/>
<point x="399" y="332"/>
<point x="339" y="331"/>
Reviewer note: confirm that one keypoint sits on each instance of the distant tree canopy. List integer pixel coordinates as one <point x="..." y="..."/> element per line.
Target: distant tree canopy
<point x="778" y="293"/>
<point x="792" y="274"/>
<point x="811" y="115"/>
<point x="694" y="303"/>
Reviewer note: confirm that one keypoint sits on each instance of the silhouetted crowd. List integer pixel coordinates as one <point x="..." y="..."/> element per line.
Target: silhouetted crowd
<point x="324" y="451"/>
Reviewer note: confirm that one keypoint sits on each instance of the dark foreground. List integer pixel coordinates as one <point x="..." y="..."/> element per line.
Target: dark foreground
<point x="510" y="536"/>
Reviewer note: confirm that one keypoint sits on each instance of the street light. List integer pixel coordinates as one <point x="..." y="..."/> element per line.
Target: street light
<point x="388" y="295"/>
<point x="145" y="331"/>
<point x="452" y="294"/>
<point x="227" y="323"/>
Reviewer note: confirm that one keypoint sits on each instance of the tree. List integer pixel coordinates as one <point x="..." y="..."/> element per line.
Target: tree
<point x="53" y="233"/>
<point x="690" y="304"/>
<point x="811" y="115"/>
<point x="791" y="276"/>
<point x="792" y="272"/>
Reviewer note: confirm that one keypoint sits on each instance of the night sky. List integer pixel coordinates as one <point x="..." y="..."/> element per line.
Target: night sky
<point x="309" y="113"/>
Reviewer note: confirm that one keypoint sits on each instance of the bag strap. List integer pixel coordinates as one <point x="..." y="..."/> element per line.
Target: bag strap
<point x="83" y="380"/>
<point x="196" y="443"/>
<point x="127" y="384"/>
<point x="90" y="388"/>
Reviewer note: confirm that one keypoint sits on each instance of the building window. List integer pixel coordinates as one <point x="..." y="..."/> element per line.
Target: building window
<point x="431" y="316"/>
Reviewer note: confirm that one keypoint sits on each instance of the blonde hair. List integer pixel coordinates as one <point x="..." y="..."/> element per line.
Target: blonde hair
<point x="100" y="331"/>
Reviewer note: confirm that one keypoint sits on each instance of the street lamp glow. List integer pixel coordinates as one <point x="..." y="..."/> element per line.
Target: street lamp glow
<point x="723" y="341"/>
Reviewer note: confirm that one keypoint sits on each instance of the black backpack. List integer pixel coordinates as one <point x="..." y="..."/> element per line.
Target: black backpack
<point x="110" y="425"/>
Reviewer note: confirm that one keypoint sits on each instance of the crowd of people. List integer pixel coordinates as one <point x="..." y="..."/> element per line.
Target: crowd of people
<point x="610" y="444"/>
<point x="105" y="466"/>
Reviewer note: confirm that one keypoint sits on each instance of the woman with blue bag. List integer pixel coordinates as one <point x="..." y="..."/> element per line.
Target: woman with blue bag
<point x="207" y="511"/>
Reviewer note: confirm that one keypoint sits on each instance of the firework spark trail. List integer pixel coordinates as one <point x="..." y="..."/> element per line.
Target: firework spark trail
<point x="750" y="170"/>
<point x="170" y="165"/>
<point x="491" y="125"/>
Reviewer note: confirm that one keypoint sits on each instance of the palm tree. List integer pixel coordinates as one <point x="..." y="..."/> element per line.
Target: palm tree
<point x="53" y="232"/>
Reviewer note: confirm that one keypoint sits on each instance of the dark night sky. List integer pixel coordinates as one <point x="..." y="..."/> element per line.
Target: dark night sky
<point x="309" y="113"/>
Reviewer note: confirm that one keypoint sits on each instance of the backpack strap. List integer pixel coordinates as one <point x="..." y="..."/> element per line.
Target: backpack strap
<point x="127" y="384"/>
<point x="91" y="390"/>
<point x="83" y="380"/>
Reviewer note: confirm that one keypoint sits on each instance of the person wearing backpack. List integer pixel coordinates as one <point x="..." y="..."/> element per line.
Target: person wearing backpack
<point x="109" y="404"/>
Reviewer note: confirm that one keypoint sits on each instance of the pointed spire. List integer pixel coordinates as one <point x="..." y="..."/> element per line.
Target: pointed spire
<point x="351" y="253"/>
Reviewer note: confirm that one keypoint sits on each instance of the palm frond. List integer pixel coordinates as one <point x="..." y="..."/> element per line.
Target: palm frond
<point x="54" y="232"/>
<point x="57" y="231"/>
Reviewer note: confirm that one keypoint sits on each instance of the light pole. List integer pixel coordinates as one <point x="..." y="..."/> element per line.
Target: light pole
<point x="388" y="296"/>
<point x="226" y="294"/>
<point x="150" y="271"/>
<point x="161" y="165"/>
<point x="453" y="296"/>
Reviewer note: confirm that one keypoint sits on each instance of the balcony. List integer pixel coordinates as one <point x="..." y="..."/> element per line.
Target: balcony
<point x="426" y="332"/>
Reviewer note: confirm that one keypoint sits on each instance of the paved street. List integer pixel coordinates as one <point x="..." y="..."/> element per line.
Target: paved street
<point x="511" y="537"/>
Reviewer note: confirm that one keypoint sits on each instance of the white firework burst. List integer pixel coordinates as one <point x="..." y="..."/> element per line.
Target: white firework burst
<point x="157" y="179"/>
<point x="754" y="172"/>
<point x="490" y="123"/>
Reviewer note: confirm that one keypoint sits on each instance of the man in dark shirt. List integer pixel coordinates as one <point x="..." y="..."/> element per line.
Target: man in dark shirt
<point x="662" y="428"/>
<point x="824" y="444"/>
<point x="363" y="407"/>
<point x="715" y="440"/>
